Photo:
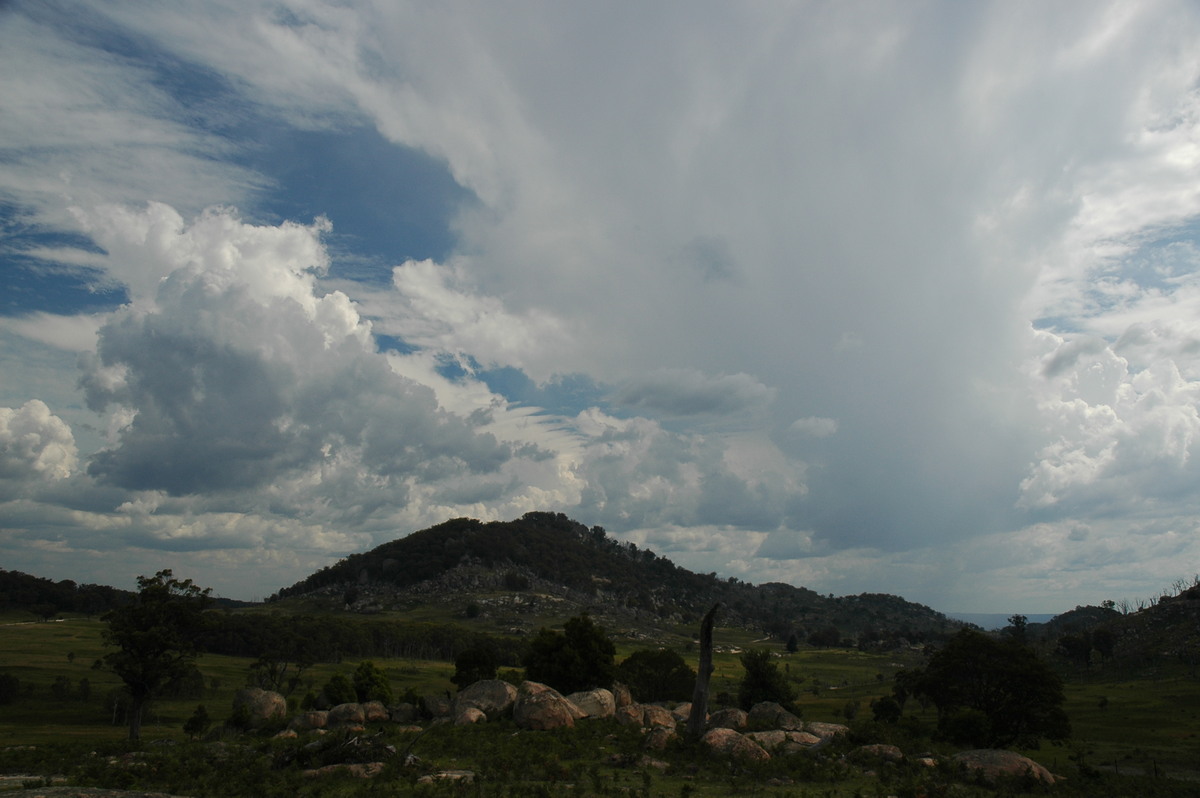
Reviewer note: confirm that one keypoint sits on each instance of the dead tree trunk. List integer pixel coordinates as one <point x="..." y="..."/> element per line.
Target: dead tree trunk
<point x="699" y="714"/>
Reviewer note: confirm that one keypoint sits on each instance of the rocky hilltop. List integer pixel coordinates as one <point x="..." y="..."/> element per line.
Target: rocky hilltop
<point x="547" y="557"/>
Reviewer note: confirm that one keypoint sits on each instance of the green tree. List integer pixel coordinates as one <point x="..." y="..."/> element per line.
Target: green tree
<point x="156" y="638"/>
<point x="474" y="664"/>
<point x="1017" y="629"/>
<point x="1077" y="648"/>
<point x="763" y="681"/>
<point x="61" y="688"/>
<point x="338" y="690"/>
<point x="371" y="683"/>
<point x="989" y="693"/>
<point x="578" y="659"/>
<point x="1104" y="641"/>
<point x="826" y="637"/>
<point x="657" y="675"/>
<point x="284" y="654"/>
<point x="195" y="726"/>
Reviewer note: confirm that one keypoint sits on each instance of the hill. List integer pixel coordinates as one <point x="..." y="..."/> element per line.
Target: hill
<point x="544" y="557"/>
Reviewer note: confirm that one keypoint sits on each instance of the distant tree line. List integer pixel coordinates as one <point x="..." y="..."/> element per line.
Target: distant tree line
<point x="312" y="638"/>
<point x="47" y="598"/>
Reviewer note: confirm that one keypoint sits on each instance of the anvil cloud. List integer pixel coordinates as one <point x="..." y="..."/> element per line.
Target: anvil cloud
<point x="857" y="296"/>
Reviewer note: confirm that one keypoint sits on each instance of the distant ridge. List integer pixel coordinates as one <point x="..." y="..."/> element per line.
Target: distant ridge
<point x="990" y="621"/>
<point x="551" y="554"/>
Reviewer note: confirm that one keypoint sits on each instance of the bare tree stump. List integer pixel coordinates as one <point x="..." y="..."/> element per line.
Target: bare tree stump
<point x="699" y="715"/>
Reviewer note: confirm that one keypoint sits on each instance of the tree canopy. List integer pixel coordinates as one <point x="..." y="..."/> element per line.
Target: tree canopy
<point x="578" y="659"/>
<point x="989" y="692"/>
<point x="156" y="638"/>
<point x="657" y="675"/>
<point x="763" y="680"/>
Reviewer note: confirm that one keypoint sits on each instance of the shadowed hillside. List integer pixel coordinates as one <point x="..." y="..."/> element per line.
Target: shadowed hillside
<point x="549" y="553"/>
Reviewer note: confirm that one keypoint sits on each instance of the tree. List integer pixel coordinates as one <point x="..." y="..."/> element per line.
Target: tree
<point x="657" y="675"/>
<point x="474" y="664"/>
<point x="989" y="693"/>
<point x="1104" y="641"/>
<point x="826" y="637"/>
<point x="195" y="726"/>
<point x="1017" y="629"/>
<point x="578" y="659"/>
<point x="156" y="638"/>
<point x="338" y="690"/>
<point x="284" y="654"/>
<point x="763" y="681"/>
<point x="371" y="683"/>
<point x="1077" y="648"/>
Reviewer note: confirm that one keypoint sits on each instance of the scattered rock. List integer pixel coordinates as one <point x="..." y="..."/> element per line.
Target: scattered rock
<point x="656" y="764"/>
<point x="877" y="752"/>
<point x="361" y="770"/>
<point x="631" y="715"/>
<point x="494" y="697"/>
<point x="540" y="707"/>
<point x="263" y="706"/>
<point x="346" y="715"/>
<point x="659" y="738"/>
<point x="404" y="713"/>
<point x="622" y="695"/>
<point x="731" y="743"/>
<point x="826" y="730"/>
<point x="436" y="705"/>
<point x="770" y="740"/>
<point x="767" y="715"/>
<point x="463" y="776"/>
<point x="728" y="719"/>
<point x="469" y="716"/>
<point x="375" y="712"/>
<point x="655" y="716"/>
<point x="993" y="763"/>
<point x="598" y="703"/>
<point x="803" y="738"/>
<point x="309" y="721"/>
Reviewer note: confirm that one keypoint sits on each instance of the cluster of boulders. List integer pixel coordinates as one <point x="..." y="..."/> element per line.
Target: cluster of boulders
<point x="767" y="730"/>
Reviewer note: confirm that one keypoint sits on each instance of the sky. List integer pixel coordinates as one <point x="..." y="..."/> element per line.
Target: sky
<point x="863" y="297"/>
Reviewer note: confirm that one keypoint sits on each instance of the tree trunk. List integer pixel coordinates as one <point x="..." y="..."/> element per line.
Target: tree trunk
<point x="698" y="718"/>
<point x="137" y="705"/>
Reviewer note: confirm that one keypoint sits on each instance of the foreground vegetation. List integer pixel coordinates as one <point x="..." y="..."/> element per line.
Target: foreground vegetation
<point x="1130" y="735"/>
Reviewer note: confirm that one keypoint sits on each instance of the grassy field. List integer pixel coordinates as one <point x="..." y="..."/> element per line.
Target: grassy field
<point x="1134" y="727"/>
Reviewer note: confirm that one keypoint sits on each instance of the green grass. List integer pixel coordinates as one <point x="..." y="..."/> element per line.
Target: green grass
<point x="1147" y="724"/>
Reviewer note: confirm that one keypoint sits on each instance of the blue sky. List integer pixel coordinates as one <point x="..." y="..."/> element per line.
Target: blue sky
<point x="899" y="299"/>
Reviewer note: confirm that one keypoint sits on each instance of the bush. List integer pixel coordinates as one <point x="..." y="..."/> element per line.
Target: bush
<point x="474" y="664"/>
<point x="195" y="726"/>
<point x="579" y="659"/>
<point x="371" y="683"/>
<point x="763" y="681"/>
<point x="10" y="688"/>
<point x="657" y="675"/>
<point x="61" y="688"/>
<point x="338" y="690"/>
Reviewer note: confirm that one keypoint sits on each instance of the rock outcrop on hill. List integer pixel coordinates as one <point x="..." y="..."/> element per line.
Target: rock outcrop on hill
<point x="555" y="558"/>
